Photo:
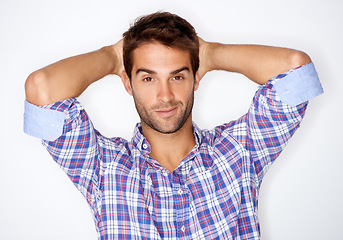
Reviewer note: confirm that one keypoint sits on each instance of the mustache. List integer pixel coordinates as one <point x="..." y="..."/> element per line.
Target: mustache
<point x="166" y="105"/>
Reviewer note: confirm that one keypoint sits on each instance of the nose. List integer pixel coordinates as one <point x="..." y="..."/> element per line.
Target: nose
<point x="165" y="92"/>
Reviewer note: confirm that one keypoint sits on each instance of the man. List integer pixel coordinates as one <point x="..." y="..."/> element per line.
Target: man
<point x="172" y="180"/>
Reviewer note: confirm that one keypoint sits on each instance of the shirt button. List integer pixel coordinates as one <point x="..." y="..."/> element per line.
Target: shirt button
<point x="180" y="191"/>
<point x="183" y="229"/>
<point x="145" y="146"/>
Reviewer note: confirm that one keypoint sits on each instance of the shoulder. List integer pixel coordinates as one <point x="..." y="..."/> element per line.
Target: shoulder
<point x="227" y="133"/>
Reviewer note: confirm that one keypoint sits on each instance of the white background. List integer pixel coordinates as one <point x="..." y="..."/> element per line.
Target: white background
<point x="301" y="196"/>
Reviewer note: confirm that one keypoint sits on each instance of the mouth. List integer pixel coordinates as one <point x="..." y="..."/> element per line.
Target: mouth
<point x="167" y="112"/>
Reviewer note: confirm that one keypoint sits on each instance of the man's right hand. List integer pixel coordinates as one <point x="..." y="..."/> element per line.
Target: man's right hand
<point x="118" y="51"/>
<point x="71" y="76"/>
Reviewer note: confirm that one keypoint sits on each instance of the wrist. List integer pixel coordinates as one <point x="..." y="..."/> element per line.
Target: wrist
<point x="207" y="56"/>
<point x="112" y="59"/>
<point x="213" y="52"/>
<point x="117" y="51"/>
<point x="210" y="51"/>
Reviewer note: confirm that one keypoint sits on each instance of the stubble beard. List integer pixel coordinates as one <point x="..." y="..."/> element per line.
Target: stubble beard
<point x="148" y="119"/>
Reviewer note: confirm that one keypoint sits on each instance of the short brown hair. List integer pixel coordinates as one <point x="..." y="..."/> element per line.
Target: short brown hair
<point x="165" y="28"/>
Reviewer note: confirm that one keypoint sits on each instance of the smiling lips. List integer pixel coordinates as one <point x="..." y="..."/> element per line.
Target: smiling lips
<point x="167" y="112"/>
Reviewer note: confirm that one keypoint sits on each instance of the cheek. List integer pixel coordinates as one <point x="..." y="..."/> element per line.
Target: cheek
<point x="183" y="92"/>
<point x="143" y="97"/>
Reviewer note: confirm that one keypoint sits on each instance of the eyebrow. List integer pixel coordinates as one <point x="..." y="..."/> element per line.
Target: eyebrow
<point x="153" y="72"/>
<point x="179" y="70"/>
<point x="145" y="70"/>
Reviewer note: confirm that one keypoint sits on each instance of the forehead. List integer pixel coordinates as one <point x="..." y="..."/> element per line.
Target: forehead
<point x="158" y="57"/>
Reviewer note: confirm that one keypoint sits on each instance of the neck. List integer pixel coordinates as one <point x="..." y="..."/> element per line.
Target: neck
<point x="170" y="149"/>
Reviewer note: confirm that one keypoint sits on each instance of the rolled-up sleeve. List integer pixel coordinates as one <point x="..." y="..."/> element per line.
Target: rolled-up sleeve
<point x="277" y="111"/>
<point x="299" y="85"/>
<point x="275" y="114"/>
<point x="46" y="122"/>
<point x="70" y="138"/>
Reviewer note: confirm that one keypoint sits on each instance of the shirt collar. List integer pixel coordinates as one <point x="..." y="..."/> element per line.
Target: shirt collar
<point x="197" y="135"/>
<point x="139" y="141"/>
<point x="143" y="145"/>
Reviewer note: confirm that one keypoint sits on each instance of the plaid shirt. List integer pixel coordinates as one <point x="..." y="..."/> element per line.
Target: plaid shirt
<point x="213" y="194"/>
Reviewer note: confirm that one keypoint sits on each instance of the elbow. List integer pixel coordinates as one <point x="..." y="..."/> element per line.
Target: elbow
<point x="299" y="58"/>
<point x="36" y="88"/>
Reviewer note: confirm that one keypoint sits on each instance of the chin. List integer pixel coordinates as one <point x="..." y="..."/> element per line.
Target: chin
<point x="164" y="128"/>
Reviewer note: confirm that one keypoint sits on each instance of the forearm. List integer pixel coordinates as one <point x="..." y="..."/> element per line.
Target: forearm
<point x="258" y="63"/>
<point x="69" y="77"/>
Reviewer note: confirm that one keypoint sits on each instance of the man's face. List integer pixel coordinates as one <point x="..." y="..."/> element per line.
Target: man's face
<point x="162" y="85"/>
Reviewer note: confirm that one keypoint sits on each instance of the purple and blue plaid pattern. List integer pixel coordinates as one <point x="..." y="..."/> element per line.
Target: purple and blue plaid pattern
<point x="211" y="195"/>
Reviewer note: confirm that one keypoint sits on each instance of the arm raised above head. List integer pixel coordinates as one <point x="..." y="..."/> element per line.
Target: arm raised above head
<point x="257" y="62"/>
<point x="71" y="76"/>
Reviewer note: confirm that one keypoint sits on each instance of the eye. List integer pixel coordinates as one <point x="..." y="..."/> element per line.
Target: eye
<point x="147" y="79"/>
<point x="178" y="78"/>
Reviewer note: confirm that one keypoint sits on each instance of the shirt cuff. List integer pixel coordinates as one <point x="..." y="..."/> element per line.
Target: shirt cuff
<point x="299" y="86"/>
<point x="43" y="123"/>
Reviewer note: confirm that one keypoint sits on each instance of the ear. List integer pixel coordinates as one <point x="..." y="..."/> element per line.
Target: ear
<point x="196" y="81"/>
<point x="126" y="82"/>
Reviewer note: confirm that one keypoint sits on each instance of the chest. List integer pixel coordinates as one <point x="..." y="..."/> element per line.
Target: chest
<point x="202" y="201"/>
